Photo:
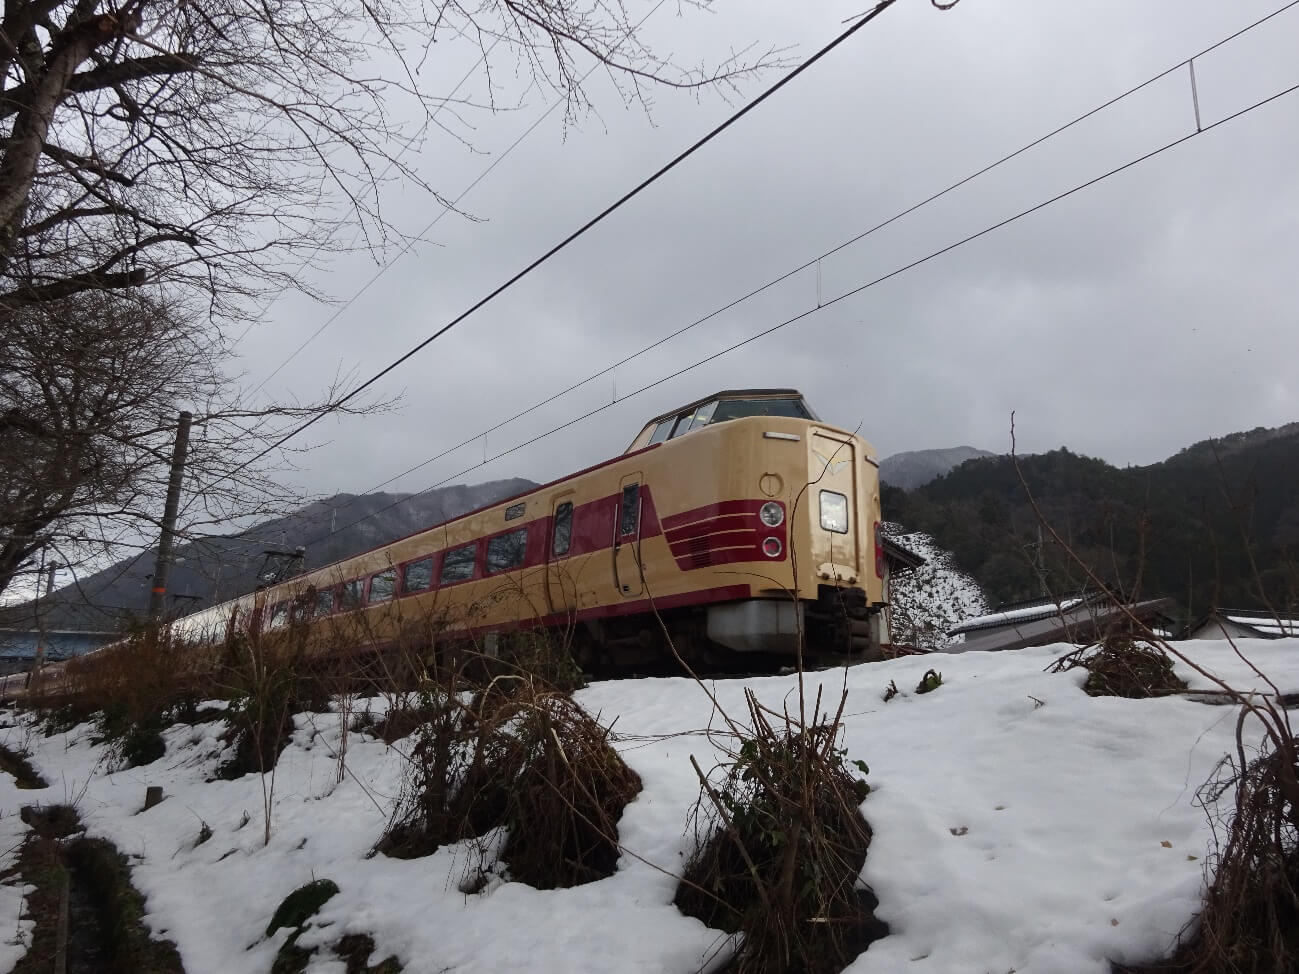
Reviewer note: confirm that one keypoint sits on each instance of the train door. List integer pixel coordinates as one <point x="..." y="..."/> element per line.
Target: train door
<point x="561" y="585"/>
<point x="835" y="494"/>
<point x="627" y="576"/>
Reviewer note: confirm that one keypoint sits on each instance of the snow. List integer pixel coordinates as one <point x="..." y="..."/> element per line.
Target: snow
<point x="1019" y="824"/>
<point x="1281" y="627"/>
<point x="15" y="933"/>
<point x="932" y="599"/>
<point x="1026" y="614"/>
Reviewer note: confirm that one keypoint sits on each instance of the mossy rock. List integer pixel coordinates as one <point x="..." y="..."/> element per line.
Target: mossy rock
<point x="302" y="904"/>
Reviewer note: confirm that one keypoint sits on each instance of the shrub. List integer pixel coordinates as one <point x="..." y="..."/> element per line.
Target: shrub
<point x="780" y="845"/>
<point x="1250" y="920"/>
<point x="1123" y="667"/>
<point x="531" y="761"/>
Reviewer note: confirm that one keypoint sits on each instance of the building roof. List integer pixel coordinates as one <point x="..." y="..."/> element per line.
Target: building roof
<point x="1082" y="619"/>
<point x="900" y="559"/>
<point x="1029" y="610"/>
<point x="1263" y="624"/>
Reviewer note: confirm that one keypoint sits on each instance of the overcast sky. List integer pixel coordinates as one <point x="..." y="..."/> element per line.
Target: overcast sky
<point x="1145" y="313"/>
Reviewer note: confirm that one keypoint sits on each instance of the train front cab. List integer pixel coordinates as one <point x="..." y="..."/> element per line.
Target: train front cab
<point x="818" y="574"/>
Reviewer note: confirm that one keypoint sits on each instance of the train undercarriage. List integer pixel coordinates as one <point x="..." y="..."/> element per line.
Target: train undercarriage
<point x="742" y="637"/>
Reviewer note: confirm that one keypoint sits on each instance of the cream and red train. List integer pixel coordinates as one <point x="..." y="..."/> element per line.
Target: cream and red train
<point x="737" y="522"/>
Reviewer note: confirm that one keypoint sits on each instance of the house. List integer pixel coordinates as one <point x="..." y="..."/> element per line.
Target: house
<point x="1242" y="624"/>
<point x="1079" y="619"/>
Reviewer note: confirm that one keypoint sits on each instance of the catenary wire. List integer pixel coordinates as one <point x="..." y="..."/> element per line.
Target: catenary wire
<point x="773" y="282"/>
<point x="662" y="171"/>
<point x="933" y="255"/>
<point x="387" y="265"/>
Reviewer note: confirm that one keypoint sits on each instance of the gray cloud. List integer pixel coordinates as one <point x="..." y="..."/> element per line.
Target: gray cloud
<point x="1148" y="312"/>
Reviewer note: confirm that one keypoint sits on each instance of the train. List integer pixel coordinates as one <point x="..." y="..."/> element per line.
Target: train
<point x="738" y="527"/>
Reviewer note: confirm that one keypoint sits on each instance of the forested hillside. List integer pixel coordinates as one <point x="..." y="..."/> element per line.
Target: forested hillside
<point x="1218" y="523"/>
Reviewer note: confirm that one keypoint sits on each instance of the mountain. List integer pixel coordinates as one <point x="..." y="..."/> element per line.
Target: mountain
<point x="219" y="568"/>
<point x="1215" y="524"/>
<point x="916" y="468"/>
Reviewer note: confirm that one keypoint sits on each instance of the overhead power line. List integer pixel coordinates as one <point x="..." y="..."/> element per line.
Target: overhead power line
<point x="423" y="233"/>
<point x="773" y="282"/>
<point x="662" y="171"/>
<point x="1145" y="157"/>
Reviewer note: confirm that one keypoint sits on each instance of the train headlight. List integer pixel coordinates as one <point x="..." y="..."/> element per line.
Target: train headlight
<point x="834" y="512"/>
<point x="772" y="547"/>
<point x="772" y="514"/>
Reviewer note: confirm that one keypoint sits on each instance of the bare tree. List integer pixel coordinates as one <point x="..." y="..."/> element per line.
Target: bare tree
<point x="162" y="156"/>
<point x="88" y="393"/>
<point x="214" y="144"/>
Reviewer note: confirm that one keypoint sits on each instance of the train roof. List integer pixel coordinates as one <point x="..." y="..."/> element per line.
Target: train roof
<point x="736" y="394"/>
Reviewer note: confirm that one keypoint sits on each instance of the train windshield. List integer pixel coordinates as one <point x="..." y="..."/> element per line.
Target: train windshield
<point x="720" y="410"/>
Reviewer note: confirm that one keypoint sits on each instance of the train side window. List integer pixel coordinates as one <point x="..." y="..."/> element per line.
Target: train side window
<point x="279" y="616"/>
<point x="382" y="586"/>
<point x="681" y="424"/>
<point x="349" y="595"/>
<point x="417" y="576"/>
<point x="458" y="564"/>
<point x="630" y="510"/>
<point x="506" y="551"/>
<point x="703" y="415"/>
<point x="661" y="431"/>
<point x="324" y="602"/>
<point x="563" y="536"/>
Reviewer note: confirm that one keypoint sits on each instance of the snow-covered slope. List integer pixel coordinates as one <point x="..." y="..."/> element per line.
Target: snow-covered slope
<point x="934" y="597"/>
<point x="1019" y="825"/>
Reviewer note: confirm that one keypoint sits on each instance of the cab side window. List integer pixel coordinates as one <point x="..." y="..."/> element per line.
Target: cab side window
<point x="629" y="520"/>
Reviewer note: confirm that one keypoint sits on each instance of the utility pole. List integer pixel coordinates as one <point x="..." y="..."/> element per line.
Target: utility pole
<point x="46" y="579"/>
<point x="1041" y="563"/>
<point x="162" y="565"/>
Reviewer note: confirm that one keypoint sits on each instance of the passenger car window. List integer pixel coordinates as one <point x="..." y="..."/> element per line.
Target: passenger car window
<point x="279" y="616"/>
<point x="507" y="551"/>
<point x="630" y="517"/>
<point x="349" y="595"/>
<point x="417" y="576"/>
<point x="458" y="564"/>
<point x="563" y="531"/>
<point x="324" y="602"/>
<point x="382" y="586"/>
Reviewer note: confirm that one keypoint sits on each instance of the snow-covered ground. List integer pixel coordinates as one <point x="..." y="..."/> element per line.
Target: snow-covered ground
<point x="1019" y="825"/>
<point x="933" y="598"/>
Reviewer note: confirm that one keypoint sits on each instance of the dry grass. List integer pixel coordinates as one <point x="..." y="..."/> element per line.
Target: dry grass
<point x="780" y="848"/>
<point x="1250" y="920"/>
<point x="1121" y="666"/>
<point x="526" y="758"/>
